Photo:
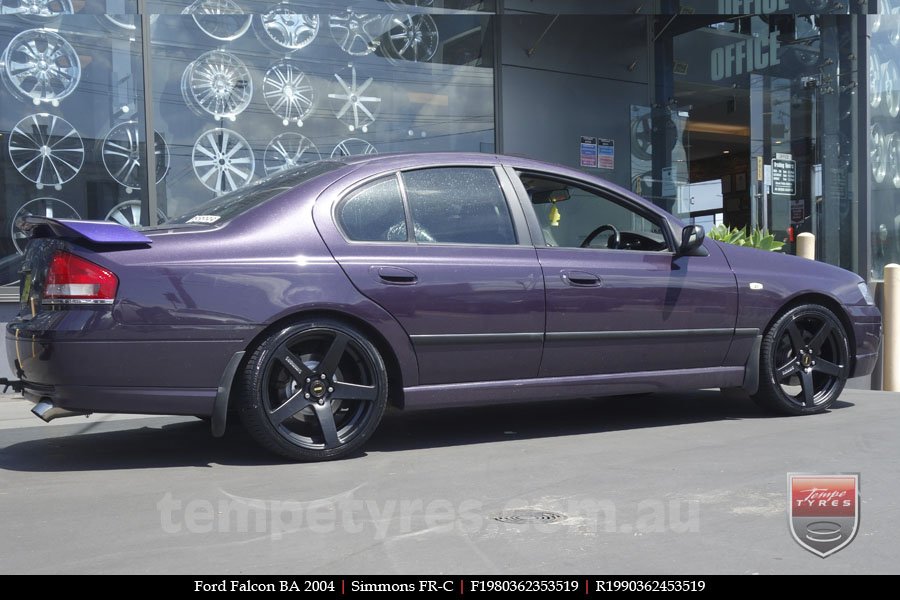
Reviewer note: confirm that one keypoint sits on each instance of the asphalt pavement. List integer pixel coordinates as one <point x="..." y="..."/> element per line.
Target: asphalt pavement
<point x="662" y="484"/>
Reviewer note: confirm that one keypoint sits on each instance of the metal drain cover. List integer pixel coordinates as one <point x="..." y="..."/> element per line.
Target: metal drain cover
<point x="529" y="516"/>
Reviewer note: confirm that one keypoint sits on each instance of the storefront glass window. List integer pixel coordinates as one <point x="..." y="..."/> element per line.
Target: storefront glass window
<point x="761" y="109"/>
<point x="884" y="135"/>
<point x="258" y="87"/>
<point x="241" y="90"/>
<point x="71" y="117"/>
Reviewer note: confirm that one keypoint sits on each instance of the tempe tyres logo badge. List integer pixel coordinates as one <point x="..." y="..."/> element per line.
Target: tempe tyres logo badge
<point x="823" y="511"/>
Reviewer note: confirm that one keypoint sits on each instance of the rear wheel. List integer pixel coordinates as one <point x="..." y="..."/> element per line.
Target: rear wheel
<point x="314" y="391"/>
<point x="805" y="361"/>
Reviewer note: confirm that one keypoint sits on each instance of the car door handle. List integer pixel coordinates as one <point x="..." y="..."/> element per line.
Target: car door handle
<point x="396" y="275"/>
<point x="580" y="278"/>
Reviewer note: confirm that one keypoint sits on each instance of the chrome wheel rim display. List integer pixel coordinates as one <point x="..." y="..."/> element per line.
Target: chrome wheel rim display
<point x="122" y="21"/>
<point x="641" y="137"/>
<point x="889" y="88"/>
<point x="875" y="71"/>
<point x="402" y="3"/>
<point x="353" y="147"/>
<point x="39" y="207"/>
<point x="36" y="9"/>
<point x="129" y="213"/>
<point x="46" y="150"/>
<point x="356" y="34"/>
<point x="289" y="27"/>
<point x="879" y="20"/>
<point x="412" y="37"/>
<point x="121" y="153"/>
<point x="894" y="160"/>
<point x="218" y="83"/>
<point x="221" y="20"/>
<point x="289" y="150"/>
<point x="223" y="160"/>
<point x="351" y="104"/>
<point x="878" y="153"/>
<point x="42" y="66"/>
<point x="288" y="92"/>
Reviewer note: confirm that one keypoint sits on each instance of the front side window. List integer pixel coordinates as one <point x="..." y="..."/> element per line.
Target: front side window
<point x="458" y="205"/>
<point x="374" y="213"/>
<point x="574" y="217"/>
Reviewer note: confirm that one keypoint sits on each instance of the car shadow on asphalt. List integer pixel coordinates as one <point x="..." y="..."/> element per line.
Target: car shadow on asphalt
<point x="128" y="445"/>
<point x="437" y="428"/>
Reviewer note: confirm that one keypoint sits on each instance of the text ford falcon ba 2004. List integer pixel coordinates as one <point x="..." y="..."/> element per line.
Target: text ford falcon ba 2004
<point x="307" y="303"/>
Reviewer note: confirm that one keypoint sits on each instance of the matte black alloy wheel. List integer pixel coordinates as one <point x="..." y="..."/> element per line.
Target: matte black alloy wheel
<point x="314" y="391"/>
<point x="805" y="361"/>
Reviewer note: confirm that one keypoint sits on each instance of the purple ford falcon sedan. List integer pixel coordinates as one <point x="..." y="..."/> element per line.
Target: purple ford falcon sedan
<point x="307" y="303"/>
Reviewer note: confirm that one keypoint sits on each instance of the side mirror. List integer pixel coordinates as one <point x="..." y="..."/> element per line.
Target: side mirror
<point x="692" y="238"/>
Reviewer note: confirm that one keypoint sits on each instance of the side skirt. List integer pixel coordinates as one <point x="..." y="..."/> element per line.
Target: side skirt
<point x="560" y="388"/>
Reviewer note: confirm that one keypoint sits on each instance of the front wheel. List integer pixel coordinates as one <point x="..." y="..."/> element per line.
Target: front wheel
<point x="804" y="361"/>
<point x="314" y="391"/>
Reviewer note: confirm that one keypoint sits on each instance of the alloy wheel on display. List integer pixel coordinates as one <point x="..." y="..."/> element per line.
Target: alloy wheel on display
<point x="289" y="27"/>
<point x="288" y="92"/>
<point x="354" y="105"/>
<point x="129" y="214"/>
<point x="36" y="10"/>
<point x="404" y="3"/>
<point x="223" y="160"/>
<point x="357" y="34"/>
<point x="46" y="150"/>
<point x="353" y="147"/>
<point x="289" y="150"/>
<point x="126" y="21"/>
<point x="51" y="208"/>
<point x="875" y="79"/>
<point x="878" y="151"/>
<point x="641" y="137"/>
<point x="882" y="16"/>
<point x="222" y="20"/>
<point x="411" y="37"/>
<point x="121" y="153"/>
<point x="894" y="160"/>
<point x="218" y="83"/>
<point x="41" y="66"/>
<point x="890" y="88"/>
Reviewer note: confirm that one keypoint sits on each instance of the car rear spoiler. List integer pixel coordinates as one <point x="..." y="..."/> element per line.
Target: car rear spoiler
<point x="97" y="232"/>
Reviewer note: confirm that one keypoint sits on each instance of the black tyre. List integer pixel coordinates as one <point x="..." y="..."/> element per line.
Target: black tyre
<point x="805" y="361"/>
<point x="314" y="391"/>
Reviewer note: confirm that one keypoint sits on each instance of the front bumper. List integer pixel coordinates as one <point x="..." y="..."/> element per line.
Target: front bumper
<point x="867" y="332"/>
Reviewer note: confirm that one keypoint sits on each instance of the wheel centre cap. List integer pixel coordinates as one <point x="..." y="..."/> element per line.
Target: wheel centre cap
<point x="318" y="388"/>
<point x="806" y="360"/>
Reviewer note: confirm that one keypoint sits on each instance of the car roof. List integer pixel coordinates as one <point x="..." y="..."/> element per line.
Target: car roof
<point x="406" y="160"/>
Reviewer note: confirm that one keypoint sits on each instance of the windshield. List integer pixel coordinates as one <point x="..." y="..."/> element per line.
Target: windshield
<point x="230" y="205"/>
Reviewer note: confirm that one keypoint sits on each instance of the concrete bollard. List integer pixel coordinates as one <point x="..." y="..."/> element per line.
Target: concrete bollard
<point x="806" y="245"/>
<point x="891" y="367"/>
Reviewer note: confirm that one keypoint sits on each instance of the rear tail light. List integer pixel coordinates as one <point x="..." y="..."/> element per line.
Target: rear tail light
<point x="74" y="280"/>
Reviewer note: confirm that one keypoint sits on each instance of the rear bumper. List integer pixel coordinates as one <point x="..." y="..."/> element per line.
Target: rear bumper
<point x="148" y="401"/>
<point x="80" y="371"/>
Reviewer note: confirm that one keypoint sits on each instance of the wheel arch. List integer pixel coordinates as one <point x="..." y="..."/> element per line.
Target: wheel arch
<point x="388" y="354"/>
<point x="828" y="302"/>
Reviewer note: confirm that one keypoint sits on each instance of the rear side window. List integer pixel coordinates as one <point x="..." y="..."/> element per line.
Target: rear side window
<point x="458" y="205"/>
<point x="374" y="213"/>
